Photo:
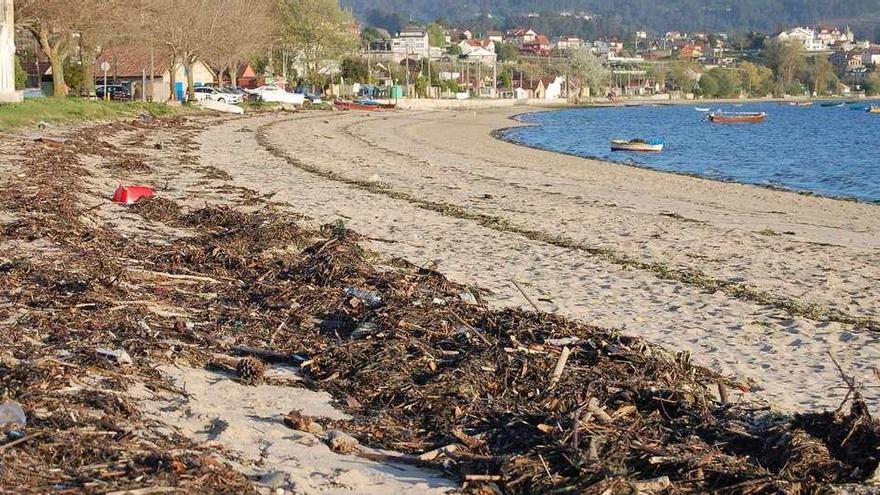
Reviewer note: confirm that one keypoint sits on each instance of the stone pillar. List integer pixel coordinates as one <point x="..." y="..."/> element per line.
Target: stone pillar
<point x="7" y="53"/>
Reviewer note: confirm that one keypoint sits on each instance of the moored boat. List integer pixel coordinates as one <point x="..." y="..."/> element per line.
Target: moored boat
<point x="737" y="117"/>
<point x="832" y="104"/>
<point x="701" y="109"/>
<point x="651" y="145"/>
<point x="363" y="105"/>
<point x="873" y="109"/>
<point x="801" y="103"/>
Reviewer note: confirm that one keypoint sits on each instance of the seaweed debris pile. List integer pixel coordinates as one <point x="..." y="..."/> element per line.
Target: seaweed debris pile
<point x="506" y="401"/>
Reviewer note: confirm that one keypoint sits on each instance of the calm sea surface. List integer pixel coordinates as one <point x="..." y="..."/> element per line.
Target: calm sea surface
<point x="829" y="151"/>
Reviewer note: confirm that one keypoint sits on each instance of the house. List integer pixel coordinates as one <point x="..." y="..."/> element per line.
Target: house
<point x="691" y="51"/>
<point x="601" y="47"/>
<point x="804" y="35"/>
<point x="131" y="64"/>
<point x="482" y="51"/>
<point x="453" y="36"/>
<point x="540" y="47"/>
<point x="848" y="60"/>
<point x="549" y="88"/>
<point x="242" y="75"/>
<point x="831" y="35"/>
<point x="520" y="36"/>
<point x="495" y="36"/>
<point x="569" y="43"/>
<point x="411" y="41"/>
<point x="871" y="56"/>
<point x="641" y="35"/>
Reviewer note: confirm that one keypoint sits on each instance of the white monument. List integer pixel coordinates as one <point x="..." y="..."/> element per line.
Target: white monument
<point x="7" y="53"/>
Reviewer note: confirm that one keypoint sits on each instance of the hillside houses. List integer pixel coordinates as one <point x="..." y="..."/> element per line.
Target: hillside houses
<point x="482" y="51"/>
<point x="818" y="39"/>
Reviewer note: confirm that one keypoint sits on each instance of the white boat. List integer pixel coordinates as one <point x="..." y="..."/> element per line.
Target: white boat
<point x="653" y="145"/>
<point x="700" y="109"/>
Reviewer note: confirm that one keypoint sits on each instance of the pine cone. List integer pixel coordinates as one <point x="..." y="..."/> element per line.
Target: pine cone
<point x="250" y="370"/>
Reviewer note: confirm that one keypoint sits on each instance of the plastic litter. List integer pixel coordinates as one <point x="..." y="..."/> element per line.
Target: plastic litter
<point x="128" y="195"/>
<point x="370" y="300"/>
<point x="11" y="413"/>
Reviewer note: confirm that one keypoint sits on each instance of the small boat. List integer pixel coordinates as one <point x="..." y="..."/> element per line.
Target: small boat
<point x="700" y="109"/>
<point x="859" y="108"/>
<point x="832" y="104"/>
<point x="737" y="117"/>
<point x="363" y="105"/>
<point x="653" y="145"/>
<point x="873" y="109"/>
<point x="801" y="103"/>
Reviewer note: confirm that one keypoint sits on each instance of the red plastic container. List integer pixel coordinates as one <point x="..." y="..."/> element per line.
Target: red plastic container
<point x="129" y="194"/>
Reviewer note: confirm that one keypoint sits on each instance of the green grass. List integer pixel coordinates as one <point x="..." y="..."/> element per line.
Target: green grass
<point x="72" y="110"/>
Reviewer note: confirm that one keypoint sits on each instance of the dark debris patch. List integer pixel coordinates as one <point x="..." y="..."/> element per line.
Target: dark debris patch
<point x="507" y="401"/>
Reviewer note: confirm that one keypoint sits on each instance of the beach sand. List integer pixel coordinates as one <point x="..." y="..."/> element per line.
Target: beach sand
<point x="611" y="245"/>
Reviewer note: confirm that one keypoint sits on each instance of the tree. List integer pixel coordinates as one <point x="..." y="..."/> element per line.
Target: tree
<point x="756" y="79"/>
<point x="507" y="78"/>
<point x="51" y="23"/>
<point x="709" y="85"/>
<point x="785" y="58"/>
<point x="20" y="75"/>
<point x="587" y="70"/>
<point x="821" y="76"/>
<point x="436" y="35"/>
<point x="227" y="50"/>
<point x="506" y="52"/>
<point x="660" y="73"/>
<point x="683" y="74"/>
<point x="872" y="85"/>
<point x="354" y="70"/>
<point x="318" y="31"/>
<point x="728" y="83"/>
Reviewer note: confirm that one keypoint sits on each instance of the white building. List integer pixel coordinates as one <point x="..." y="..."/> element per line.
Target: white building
<point x="806" y="36"/>
<point x="412" y="41"/>
<point x="569" y="43"/>
<point x="479" y="50"/>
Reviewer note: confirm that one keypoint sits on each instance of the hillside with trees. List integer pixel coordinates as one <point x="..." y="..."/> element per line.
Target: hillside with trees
<point x="626" y="15"/>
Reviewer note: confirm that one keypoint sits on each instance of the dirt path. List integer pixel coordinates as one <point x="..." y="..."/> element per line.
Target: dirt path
<point x="614" y="246"/>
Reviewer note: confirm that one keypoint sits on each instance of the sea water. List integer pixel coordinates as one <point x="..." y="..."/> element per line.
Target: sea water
<point x="828" y="151"/>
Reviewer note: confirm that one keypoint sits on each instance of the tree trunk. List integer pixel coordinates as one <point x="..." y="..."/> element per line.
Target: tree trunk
<point x="233" y="75"/>
<point x="89" y="47"/>
<point x="172" y="79"/>
<point x="56" y="60"/>
<point x="188" y="63"/>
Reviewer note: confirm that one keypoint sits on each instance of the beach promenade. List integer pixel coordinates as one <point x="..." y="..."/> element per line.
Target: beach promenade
<point x="761" y="284"/>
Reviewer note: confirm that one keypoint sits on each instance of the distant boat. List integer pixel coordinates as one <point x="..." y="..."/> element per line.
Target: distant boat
<point x="832" y="104"/>
<point x="859" y="108"/>
<point x="801" y="103"/>
<point x="363" y="105"/>
<point x="873" y="109"/>
<point x="737" y="117"/>
<point x="652" y="145"/>
<point x="700" y="109"/>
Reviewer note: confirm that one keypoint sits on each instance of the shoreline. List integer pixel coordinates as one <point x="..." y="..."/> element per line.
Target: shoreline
<point x="450" y="193"/>
<point x="499" y="133"/>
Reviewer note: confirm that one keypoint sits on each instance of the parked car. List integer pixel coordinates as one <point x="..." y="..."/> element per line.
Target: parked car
<point x="208" y="93"/>
<point x="271" y="93"/>
<point x="117" y="92"/>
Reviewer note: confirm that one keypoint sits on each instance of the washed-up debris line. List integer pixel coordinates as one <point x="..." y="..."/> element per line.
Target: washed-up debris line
<point x="506" y="401"/>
